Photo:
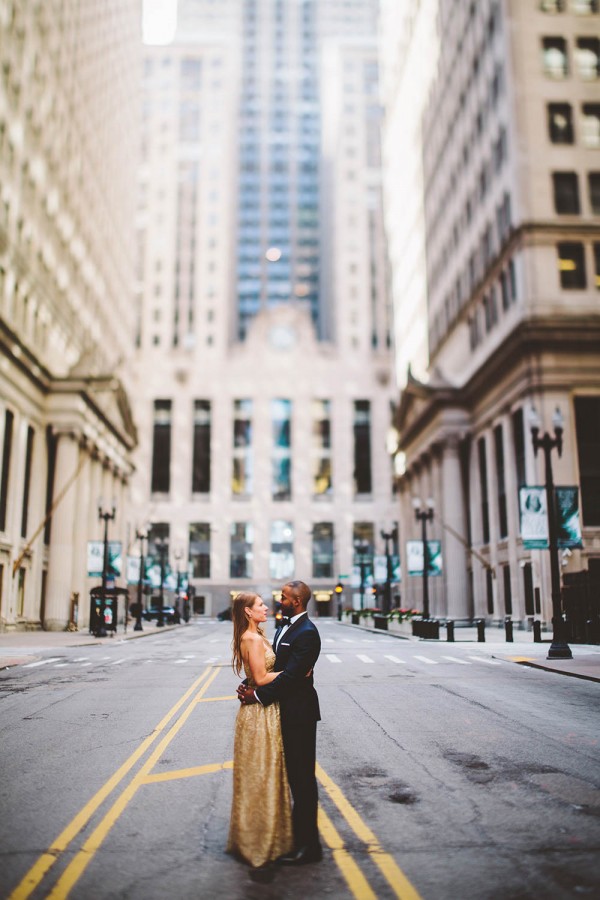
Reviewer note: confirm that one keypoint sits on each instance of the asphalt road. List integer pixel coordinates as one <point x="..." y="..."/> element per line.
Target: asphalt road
<point x="444" y="774"/>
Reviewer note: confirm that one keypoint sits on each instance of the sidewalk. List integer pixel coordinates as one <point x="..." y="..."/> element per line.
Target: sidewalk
<point x="18" y="647"/>
<point x="522" y="650"/>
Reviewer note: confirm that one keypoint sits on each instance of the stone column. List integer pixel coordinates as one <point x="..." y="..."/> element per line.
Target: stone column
<point x="62" y="536"/>
<point x="81" y="535"/>
<point x="454" y="551"/>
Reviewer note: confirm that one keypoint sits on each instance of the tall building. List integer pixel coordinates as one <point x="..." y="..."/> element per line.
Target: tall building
<point x="69" y="108"/>
<point x="510" y="143"/>
<point x="264" y="371"/>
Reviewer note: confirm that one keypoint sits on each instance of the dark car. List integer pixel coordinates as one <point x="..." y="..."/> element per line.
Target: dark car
<point x="170" y="615"/>
<point x="224" y="615"/>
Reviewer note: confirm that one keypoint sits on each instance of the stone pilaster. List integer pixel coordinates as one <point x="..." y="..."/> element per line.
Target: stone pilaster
<point x="453" y="550"/>
<point x="62" y="539"/>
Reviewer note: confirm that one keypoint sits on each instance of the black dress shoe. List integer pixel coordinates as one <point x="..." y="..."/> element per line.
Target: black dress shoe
<point x="301" y="857"/>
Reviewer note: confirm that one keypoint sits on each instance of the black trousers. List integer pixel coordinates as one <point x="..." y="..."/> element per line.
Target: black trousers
<point x="300" y="745"/>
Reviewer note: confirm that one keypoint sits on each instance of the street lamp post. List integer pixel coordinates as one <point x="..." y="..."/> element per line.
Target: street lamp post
<point x="141" y="536"/>
<point x="387" y="596"/>
<point x="424" y="516"/>
<point x="559" y="648"/>
<point x="362" y="549"/>
<point x="106" y="516"/>
<point x="162" y="546"/>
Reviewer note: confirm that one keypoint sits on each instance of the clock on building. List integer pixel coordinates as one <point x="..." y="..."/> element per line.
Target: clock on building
<point x="282" y="337"/>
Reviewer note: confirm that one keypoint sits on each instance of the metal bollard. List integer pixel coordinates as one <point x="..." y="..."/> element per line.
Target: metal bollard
<point x="537" y="631"/>
<point x="508" y="627"/>
<point x="449" y="630"/>
<point x="481" y="631"/>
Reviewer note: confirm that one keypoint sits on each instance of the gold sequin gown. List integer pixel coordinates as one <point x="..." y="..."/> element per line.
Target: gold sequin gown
<point x="261" y="814"/>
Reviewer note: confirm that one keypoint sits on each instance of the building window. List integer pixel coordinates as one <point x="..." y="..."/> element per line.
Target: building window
<point x="489" y="585"/>
<point x="590" y="125"/>
<point x="363" y="542"/>
<point x="281" y="557"/>
<point x="571" y="265"/>
<point x="161" y="447"/>
<point x="201" y="447"/>
<point x="242" y="478"/>
<point x="587" y="416"/>
<point x="566" y="192"/>
<point x="321" y="448"/>
<point x="528" y="589"/>
<point x="560" y="123"/>
<point x="281" y="459"/>
<point x="501" y="481"/>
<point x="507" y="590"/>
<point x="587" y="57"/>
<point x="483" y="486"/>
<point x="6" y="455"/>
<point x="51" y="442"/>
<point x="241" y="556"/>
<point x="27" y="481"/>
<point x="199" y="552"/>
<point x="585" y="7"/>
<point x="519" y="446"/>
<point x="362" y="447"/>
<point x="552" y="6"/>
<point x="322" y="550"/>
<point x="597" y="266"/>
<point x="594" y="190"/>
<point x="21" y="593"/>
<point x="554" y="56"/>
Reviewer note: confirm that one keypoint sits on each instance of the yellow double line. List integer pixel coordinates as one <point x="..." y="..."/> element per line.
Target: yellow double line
<point x="351" y="872"/>
<point x="39" y="869"/>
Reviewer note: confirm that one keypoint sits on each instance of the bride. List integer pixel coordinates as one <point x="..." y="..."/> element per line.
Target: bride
<point x="260" y="829"/>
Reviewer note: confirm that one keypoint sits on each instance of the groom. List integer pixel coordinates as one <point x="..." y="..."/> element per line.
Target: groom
<point x="297" y="646"/>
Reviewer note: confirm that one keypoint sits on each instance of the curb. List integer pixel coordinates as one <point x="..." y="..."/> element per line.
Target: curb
<point x="537" y="665"/>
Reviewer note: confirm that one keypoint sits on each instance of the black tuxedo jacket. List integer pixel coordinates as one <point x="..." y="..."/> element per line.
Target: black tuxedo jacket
<point x="296" y="654"/>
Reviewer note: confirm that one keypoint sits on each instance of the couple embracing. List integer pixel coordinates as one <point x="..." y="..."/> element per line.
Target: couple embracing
<point x="275" y="733"/>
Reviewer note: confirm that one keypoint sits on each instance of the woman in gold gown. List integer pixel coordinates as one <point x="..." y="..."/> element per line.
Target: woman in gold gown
<point x="260" y="829"/>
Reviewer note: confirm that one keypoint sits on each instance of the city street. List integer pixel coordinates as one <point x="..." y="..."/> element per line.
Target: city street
<point x="446" y="772"/>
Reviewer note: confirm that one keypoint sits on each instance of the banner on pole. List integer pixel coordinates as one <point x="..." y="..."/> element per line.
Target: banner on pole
<point x="414" y="557"/>
<point x="534" y="517"/>
<point x="568" y="523"/>
<point x="95" y="559"/>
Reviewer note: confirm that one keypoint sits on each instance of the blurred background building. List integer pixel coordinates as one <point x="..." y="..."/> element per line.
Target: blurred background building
<point x="69" y="107"/>
<point x="231" y="262"/>
<point x="264" y="371"/>
<point x="511" y="168"/>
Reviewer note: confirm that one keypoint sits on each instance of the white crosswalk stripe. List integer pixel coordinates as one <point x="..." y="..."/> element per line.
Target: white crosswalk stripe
<point x="179" y="661"/>
<point x="41" y="662"/>
<point x="426" y="659"/>
<point x="461" y="662"/>
<point x="118" y="662"/>
<point x="363" y="658"/>
<point x="332" y="658"/>
<point x="490" y="662"/>
<point x="395" y="659"/>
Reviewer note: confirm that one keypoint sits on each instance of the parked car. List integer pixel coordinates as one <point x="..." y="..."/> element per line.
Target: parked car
<point x="224" y="615"/>
<point x="170" y="615"/>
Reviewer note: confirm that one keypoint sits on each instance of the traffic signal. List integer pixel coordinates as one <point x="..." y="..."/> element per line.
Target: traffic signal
<point x="339" y="588"/>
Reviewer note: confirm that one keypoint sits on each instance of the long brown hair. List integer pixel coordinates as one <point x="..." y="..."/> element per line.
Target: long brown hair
<point x="240" y="625"/>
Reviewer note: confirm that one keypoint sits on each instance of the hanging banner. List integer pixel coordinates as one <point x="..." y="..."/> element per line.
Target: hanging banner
<point x="414" y="556"/>
<point x="95" y="559"/>
<point x="568" y="523"/>
<point x="534" y="517"/>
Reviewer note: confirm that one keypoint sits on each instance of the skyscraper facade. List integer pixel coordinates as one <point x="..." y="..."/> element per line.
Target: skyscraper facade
<point x="510" y="144"/>
<point x="264" y="369"/>
<point x="68" y="144"/>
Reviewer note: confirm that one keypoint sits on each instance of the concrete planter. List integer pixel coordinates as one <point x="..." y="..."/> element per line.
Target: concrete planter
<point x="380" y="623"/>
<point x="404" y="628"/>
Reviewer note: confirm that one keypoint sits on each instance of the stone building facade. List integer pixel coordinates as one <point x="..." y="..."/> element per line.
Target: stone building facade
<point x="69" y="110"/>
<point x="511" y="144"/>
<point x="264" y="376"/>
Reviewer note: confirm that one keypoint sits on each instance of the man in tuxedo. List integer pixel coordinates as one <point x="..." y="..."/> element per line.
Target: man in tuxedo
<point x="297" y="646"/>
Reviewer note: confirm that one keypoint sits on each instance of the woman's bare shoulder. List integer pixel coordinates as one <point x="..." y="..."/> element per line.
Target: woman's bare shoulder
<point x="251" y="636"/>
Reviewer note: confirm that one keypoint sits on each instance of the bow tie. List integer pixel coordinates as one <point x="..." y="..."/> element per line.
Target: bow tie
<point x="284" y="620"/>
